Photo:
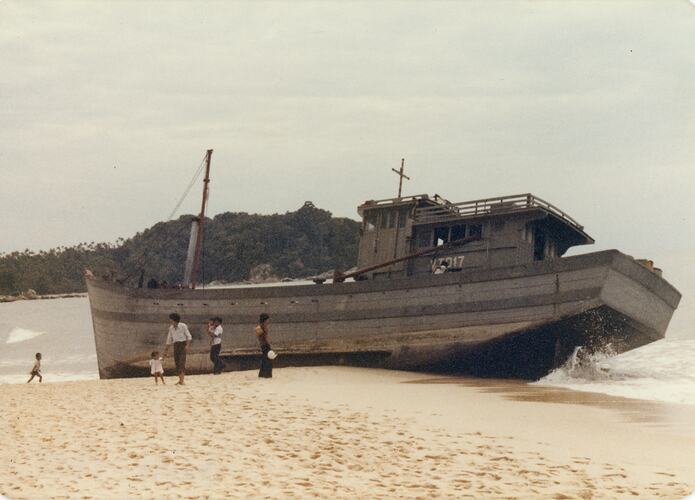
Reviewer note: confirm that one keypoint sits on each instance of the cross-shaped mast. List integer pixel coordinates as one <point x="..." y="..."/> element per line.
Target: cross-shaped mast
<point x="401" y="175"/>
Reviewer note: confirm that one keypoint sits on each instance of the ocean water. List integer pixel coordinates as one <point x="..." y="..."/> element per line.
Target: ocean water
<point x="61" y="330"/>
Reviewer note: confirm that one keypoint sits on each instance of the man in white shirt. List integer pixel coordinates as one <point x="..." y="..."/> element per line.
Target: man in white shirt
<point x="180" y="337"/>
<point x="215" y="334"/>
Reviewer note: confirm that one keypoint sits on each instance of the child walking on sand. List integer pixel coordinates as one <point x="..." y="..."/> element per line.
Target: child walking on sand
<point x="156" y="368"/>
<point x="36" y="370"/>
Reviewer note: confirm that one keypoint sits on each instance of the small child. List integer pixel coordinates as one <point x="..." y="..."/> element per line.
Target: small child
<point x="156" y="368"/>
<point x="36" y="370"/>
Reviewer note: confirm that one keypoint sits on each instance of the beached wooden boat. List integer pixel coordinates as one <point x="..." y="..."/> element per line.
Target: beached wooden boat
<point x="508" y="305"/>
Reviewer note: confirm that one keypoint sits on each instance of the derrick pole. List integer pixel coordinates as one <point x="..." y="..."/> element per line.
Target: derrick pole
<point x="201" y="221"/>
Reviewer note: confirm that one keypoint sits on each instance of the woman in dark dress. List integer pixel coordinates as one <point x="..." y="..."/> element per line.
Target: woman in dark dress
<point x="266" y="370"/>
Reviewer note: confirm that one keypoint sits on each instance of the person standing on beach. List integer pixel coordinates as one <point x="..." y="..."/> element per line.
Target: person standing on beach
<point x="215" y="334"/>
<point x="266" y="370"/>
<point x="180" y="337"/>
<point x="36" y="370"/>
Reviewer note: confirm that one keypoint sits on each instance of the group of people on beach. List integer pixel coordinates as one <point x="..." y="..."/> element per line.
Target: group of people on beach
<point x="180" y="337"/>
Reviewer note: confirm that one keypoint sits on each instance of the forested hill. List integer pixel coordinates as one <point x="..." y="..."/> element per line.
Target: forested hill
<point x="296" y="244"/>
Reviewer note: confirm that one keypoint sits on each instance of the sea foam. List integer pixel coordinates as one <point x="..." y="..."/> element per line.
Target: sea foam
<point x="662" y="371"/>
<point x="21" y="334"/>
<point x="49" y="377"/>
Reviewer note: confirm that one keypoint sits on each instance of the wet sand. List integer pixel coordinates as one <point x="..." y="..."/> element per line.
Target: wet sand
<point x="338" y="432"/>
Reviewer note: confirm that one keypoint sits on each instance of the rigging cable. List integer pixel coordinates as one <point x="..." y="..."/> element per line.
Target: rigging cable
<point x="143" y="260"/>
<point x="188" y="188"/>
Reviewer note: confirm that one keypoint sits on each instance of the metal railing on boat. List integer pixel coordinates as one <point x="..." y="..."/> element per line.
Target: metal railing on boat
<point x="446" y="211"/>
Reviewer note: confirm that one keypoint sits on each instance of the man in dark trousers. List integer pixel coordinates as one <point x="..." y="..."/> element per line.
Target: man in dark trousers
<point x="215" y="334"/>
<point x="266" y="370"/>
<point x="180" y="337"/>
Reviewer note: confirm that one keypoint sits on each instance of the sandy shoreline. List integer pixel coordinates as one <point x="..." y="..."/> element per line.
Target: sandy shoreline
<point x="337" y="432"/>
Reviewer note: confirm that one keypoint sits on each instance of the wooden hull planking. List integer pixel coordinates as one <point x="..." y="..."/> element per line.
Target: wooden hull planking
<point x="520" y="321"/>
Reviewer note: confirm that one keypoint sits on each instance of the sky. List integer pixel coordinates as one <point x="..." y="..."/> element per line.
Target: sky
<point x="107" y="108"/>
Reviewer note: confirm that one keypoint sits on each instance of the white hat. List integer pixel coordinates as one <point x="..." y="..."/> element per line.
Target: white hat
<point x="272" y="354"/>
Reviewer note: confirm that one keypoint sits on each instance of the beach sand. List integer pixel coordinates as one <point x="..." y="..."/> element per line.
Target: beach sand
<point x="338" y="432"/>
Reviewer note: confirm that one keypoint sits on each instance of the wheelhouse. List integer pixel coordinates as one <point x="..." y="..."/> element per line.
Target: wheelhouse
<point x="510" y="230"/>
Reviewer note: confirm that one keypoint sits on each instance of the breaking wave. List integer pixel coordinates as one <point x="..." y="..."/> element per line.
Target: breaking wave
<point x="21" y="334"/>
<point x="662" y="371"/>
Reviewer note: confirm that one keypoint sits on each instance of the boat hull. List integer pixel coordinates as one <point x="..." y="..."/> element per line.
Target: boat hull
<point x="519" y="321"/>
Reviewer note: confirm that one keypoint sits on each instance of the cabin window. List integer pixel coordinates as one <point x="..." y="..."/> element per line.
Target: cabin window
<point x="384" y="221"/>
<point x="539" y="245"/>
<point x="403" y="216"/>
<point x="527" y="234"/>
<point x="475" y="230"/>
<point x="441" y="236"/>
<point x="424" y="239"/>
<point x="369" y="222"/>
<point x="458" y="232"/>
<point x="392" y="218"/>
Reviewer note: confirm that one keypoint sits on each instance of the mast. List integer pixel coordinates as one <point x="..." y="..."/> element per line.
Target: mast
<point x="400" y="212"/>
<point x="201" y="220"/>
<point x="401" y="175"/>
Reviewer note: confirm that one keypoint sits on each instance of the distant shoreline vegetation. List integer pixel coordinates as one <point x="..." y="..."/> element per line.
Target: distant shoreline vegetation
<point x="296" y="244"/>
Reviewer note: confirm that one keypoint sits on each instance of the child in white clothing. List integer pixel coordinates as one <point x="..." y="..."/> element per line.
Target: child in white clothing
<point x="156" y="368"/>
